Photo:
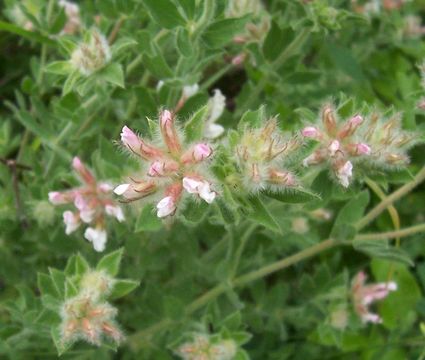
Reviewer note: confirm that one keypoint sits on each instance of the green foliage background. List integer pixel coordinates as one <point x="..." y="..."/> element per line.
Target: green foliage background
<point x="314" y="52"/>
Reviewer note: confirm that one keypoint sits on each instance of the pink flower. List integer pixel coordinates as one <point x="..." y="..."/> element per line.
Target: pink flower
<point x="344" y="173"/>
<point x="166" y="207"/>
<point x="201" y="152"/>
<point x="130" y="139"/>
<point x="57" y="198"/>
<point x="355" y="121"/>
<point x="364" y="295"/>
<point x="311" y="132"/>
<point x="156" y="169"/>
<point x="362" y="149"/>
<point x="85" y="174"/>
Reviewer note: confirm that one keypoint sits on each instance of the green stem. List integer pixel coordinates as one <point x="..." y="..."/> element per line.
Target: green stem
<point x="239" y="251"/>
<point x="396" y="195"/>
<point x="204" y="299"/>
<point x="393" y="234"/>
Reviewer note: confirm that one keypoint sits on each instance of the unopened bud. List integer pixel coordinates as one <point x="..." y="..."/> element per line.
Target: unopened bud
<point x="311" y="132"/>
<point x="329" y="120"/>
<point x="169" y="132"/>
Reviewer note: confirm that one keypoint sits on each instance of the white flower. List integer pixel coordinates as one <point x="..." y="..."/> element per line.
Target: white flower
<point x="121" y="189"/>
<point x="97" y="237"/>
<point x="190" y="90"/>
<point x="165" y="207"/>
<point x="333" y="147"/>
<point x="344" y="173"/>
<point x="71" y="221"/>
<point x="115" y="211"/>
<point x="202" y="188"/>
<point x="216" y="105"/>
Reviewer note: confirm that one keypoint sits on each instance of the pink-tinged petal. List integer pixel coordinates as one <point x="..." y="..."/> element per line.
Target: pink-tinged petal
<point x="201" y="152"/>
<point x="79" y="202"/>
<point x="105" y="187"/>
<point x="333" y="147"/>
<point x="57" y="198"/>
<point x="191" y="185"/>
<point x="169" y="133"/>
<point x="130" y="139"/>
<point x="72" y="222"/>
<point x="97" y="237"/>
<point x="87" y="215"/>
<point x="206" y="193"/>
<point x="115" y="211"/>
<point x="311" y="132"/>
<point x="121" y="189"/>
<point x="156" y="169"/>
<point x="82" y="171"/>
<point x="356" y="120"/>
<point x="363" y="149"/>
<point x="373" y="318"/>
<point x="165" y="207"/>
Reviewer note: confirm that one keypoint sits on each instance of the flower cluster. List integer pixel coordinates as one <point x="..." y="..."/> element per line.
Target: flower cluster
<point x="93" y="202"/>
<point x="259" y="156"/>
<point x="92" y="55"/>
<point x="172" y="168"/>
<point x="87" y="316"/>
<point x="202" y="348"/>
<point x="338" y="144"/>
<point x="364" y="295"/>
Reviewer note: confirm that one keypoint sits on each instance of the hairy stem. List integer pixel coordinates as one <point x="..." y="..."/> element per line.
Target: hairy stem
<point x="393" y="234"/>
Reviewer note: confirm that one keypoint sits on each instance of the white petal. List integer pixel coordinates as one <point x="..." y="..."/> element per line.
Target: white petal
<point x="97" y="237"/>
<point x="191" y="185"/>
<point x="87" y="215"/>
<point x="217" y="104"/>
<point x="121" y="189"/>
<point x="115" y="211"/>
<point x="165" y="207"/>
<point x="190" y="90"/>
<point x="206" y="193"/>
<point x="71" y="222"/>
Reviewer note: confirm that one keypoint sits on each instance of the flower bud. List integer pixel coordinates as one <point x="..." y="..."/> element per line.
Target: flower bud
<point x="85" y="174"/>
<point x="350" y="126"/>
<point x="169" y="132"/>
<point x="311" y="132"/>
<point x="72" y="222"/>
<point x="97" y="284"/>
<point x="57" y="198"/>
<point x="130" y="140"/>
<point x="328" y="119"/>
<point x="281" y="177"/>
<point x="363" y="149"/>
<point x="333" y="147"/>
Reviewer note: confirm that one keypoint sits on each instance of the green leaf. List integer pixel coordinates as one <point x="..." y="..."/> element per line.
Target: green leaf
<point x="183" y="42"/>
<point x="70" y="82"/>
<point x="221" y="32"/>
<point x="114" y="74"/>
<point x="189" y="7"/>
<point x="164" y="12"/>
<point x="147" y="220"/>
<point x="173" y="307"/>
<point x="382" y="250"/>
<point x="262" y="215"/>
<point x="59" y="67"/>
<point x="70" y="289"/>
<point x="29" y="35"/>
<point x="47" y="286"/>
<point x="157" y="66"/>
<point x="292" y="196"/>
<point x="59" y="279"/>
<point x="111" y="263"/>
<point x="350" y="213"/>
<point x="194" y="127"/>
<point x="123" y="287"/>
<point x="276" y="41"/>
<point x="57" y="339"/>
<point x="121" y="45"/>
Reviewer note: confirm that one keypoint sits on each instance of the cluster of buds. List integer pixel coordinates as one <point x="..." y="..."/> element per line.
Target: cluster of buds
<point x="259" y="156"/>
<point x="202" y="348"/>
<point x="337" y="144"/>
<point x="73" y="20"/>
<point x="364" y="295"/>
<point x="173" y="167"/>
<point x="92" y="55"/>
<point x="93" y="202"/>
<point x="87" y="316"/>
